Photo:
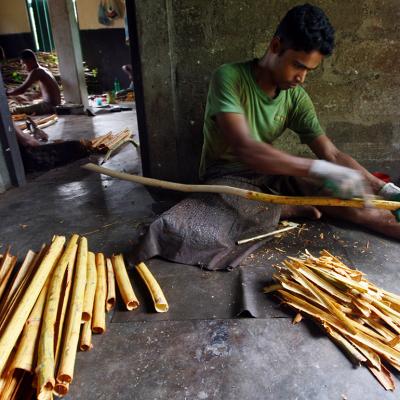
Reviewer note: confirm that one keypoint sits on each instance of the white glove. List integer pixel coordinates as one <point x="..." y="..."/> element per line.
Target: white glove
<point x="343" y="182"/>
<point x="389" y="191"/>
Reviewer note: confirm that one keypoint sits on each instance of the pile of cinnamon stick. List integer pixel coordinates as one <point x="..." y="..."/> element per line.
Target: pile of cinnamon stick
<point x="49" y="307"/>
<point x="109" y="140"/>
<point x="18" y="117"/>
<point x="363" y="319"/>
<point x="41" y="123"/>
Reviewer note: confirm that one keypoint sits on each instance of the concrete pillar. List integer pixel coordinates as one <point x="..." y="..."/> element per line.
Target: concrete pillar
<point x="154" y="77"/>
<point x="66" y="38"/>
<point x="11" y="168"/>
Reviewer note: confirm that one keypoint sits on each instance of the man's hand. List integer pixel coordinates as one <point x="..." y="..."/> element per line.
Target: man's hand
<point x="391" y="192"/>
<point x="343" y="182"/>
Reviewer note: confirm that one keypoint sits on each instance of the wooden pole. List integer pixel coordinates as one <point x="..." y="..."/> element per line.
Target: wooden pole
<point x="248" y="194"/>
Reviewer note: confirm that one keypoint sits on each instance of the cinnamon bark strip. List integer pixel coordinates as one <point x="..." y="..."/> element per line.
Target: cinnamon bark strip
<point x="110" y="301"/>
<point x="124" y="283"/>
<point x="99" y="309"/>
<point x="65" y="371"/>
<point x="17" y="321"/>
<point x="159" y="300"/>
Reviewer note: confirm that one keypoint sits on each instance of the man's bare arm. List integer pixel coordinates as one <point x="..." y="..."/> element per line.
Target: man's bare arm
<point x="260" y="157"/>
<point x="324" y="149"/>
<point x="29" y="81"/>
<point x="342" y="181"/>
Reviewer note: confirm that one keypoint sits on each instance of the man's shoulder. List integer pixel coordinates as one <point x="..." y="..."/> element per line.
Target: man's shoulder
<point x="298" y="94"/>
<point x="235" y="65"/>
<point x="42" y="71"/>
<point x="298" y="91"/>
<point x="34" y="75"/>
<point x="38" y="72"/>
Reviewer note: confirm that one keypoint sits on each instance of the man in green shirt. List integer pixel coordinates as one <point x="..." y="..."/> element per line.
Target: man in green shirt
<point x="250" y="104"/>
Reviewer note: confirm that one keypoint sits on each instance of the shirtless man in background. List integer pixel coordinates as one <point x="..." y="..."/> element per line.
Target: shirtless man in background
<point x="48" y="87"/>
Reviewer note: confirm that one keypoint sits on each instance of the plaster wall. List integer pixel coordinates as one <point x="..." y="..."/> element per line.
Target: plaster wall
<point x="355" y="91"/>
<point x="13" y="17"/>
<point x="103" y="46"/>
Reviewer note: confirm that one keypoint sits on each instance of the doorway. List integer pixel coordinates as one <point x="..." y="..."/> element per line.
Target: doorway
<point x="39" y="20"/>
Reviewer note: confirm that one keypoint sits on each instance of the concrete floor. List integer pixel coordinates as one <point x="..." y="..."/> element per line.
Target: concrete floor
<point x="199" y="353"/>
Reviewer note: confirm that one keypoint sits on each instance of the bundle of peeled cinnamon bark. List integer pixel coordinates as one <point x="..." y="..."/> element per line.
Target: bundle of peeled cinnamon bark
<point x="363" y="319"/>
<point x="109" y="140"/>
<point x="49" y="307"/>
<point x="41" y="122"/>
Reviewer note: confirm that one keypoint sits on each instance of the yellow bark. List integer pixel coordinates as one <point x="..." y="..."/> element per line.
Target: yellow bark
<point x="17" y="321"/>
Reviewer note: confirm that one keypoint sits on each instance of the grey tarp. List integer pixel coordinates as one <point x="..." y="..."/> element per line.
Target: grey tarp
<point x="202" y="229"/>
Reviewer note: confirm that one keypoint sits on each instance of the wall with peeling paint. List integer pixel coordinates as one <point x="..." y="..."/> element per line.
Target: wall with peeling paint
<point x="355" y="91"/>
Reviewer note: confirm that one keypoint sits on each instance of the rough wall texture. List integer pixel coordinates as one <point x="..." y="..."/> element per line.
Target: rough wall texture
<point x="106" y="50"/>
<point x="355" y="91"/>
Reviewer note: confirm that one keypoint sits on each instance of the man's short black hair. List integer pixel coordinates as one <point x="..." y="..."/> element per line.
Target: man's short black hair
<point x="27" y="55"/>
<point x="306" y="28"/>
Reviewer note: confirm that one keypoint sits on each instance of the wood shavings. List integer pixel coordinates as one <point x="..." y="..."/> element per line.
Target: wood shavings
<point x="302" y="228"/>
<point x="298" y="318"/>
<point x="361" y="318"/>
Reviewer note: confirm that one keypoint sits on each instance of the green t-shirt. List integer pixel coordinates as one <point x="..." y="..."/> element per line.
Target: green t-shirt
<point x="233" y="89"/>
